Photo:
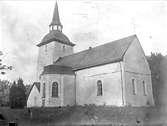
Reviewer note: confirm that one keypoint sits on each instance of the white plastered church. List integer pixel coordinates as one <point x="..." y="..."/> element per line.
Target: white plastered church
<point x="114" y="74"/>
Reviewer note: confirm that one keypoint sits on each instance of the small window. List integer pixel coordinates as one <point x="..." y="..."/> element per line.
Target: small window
<point x="99" y="88"/>
<point x="144" y="89"/>
<point x="43" y="95"/>
<point x="59" y="28"/>
<point x="50" y="28"/>
<point x="63" y="48"/>
<point x="54" y="27"/>
<point x="55" y="89"/>
<point x="46" y="48"/>
<point x="134" y="87"/>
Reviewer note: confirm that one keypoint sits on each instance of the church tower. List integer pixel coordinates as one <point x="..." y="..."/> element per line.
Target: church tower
<point x="54" y="45"/>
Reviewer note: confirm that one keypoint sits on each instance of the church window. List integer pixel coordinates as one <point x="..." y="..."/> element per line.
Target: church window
<point x="43" y="95"/>
<point x="99" y="88"/>
<point x="55" y="89"/>
<point x="144" y="88"/>
<point x="134" y="87"/>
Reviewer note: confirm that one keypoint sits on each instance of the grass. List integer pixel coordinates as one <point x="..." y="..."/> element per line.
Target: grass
<point x="89" y="114"/>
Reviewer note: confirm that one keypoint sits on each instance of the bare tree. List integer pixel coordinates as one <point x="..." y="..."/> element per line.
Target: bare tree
<point x="3" y="67"/>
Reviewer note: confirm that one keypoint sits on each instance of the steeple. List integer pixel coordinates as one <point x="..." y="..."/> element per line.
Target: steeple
<point x="56" y="24"/>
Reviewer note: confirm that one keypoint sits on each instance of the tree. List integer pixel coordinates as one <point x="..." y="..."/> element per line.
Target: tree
<point x="17" y="94"/>
<point x="3" y="67"/>
<point x="155" y="66"/>
<point x="21" y="93"/>
<point x="4" y="90"/>
<point x="12" y="95"/>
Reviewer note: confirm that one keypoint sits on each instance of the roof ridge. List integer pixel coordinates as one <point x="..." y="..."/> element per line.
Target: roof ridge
<point x="103" y="54"/>
<point x="74" y="54"/>
<point x="34" y="84"/>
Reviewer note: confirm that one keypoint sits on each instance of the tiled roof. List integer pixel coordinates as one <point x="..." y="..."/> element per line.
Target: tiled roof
<point x="54" y="69"/>
<point x="103" y="54"/>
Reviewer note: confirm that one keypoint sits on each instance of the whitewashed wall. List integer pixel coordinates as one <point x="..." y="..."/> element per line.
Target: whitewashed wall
<point x="45" y="57"/>
<point x="66" y="87"/>
<point x="34" y="99"/>
<point x="48" y="79"/>
<point x="136" y="67"/>
<point x="69" y="90"/>
<point x="86" y="85"/>
<point x="51" y="52"/>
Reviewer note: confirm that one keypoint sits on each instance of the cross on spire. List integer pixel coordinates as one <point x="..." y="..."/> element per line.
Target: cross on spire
<point x="55" y="23"/>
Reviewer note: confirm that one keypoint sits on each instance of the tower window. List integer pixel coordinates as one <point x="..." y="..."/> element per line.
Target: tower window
<point x="63" y="48"/>
<point x="99" y="88"/>
<point x="55" y="27"/>
<point x="43" y="95"/>
<point x="144" y="88"/>
<point x="46" y="48"/>
<point x="134" y="87"/>
<point x="55" y="89"/>
<point x="59" y="28"/>
<point x="35" y="100"/>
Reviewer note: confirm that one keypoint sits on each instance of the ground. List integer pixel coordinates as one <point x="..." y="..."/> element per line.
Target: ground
<point x="84" y="115"/>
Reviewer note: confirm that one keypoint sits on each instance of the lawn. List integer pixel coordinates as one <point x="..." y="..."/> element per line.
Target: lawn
<point x="88" y="114"/>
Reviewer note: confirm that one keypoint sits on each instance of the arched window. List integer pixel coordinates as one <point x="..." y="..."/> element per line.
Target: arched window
<point x="55" y="89"/>
<point x="43" y="90"/>
<point x="134" y="87"/>
<point x="99" y="88"/>
<point x="144" y="88"/>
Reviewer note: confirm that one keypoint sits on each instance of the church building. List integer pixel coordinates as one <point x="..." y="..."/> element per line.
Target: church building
<point x="113" y="74"/>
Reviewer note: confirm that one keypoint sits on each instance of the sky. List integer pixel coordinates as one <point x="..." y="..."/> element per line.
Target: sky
<point x="23" y="23"/>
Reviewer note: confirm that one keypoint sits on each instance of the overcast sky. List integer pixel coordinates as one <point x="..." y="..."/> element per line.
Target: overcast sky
<point x="87" y="23"/>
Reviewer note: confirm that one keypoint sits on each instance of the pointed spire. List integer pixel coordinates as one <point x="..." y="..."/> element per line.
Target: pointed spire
<point x="56" y="24"/>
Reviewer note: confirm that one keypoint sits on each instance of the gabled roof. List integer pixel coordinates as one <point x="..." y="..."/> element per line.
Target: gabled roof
<point x="103" y="54"/>
<point x="37" y="84"/>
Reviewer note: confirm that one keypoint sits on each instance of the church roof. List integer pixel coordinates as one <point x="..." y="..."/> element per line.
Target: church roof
<point x="103" y="54"/>
<point x="54" y="69"/>
<point x="55" y="35"/>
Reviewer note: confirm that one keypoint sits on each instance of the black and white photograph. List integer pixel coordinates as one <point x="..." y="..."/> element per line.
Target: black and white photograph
<point x="83" y="63"/>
